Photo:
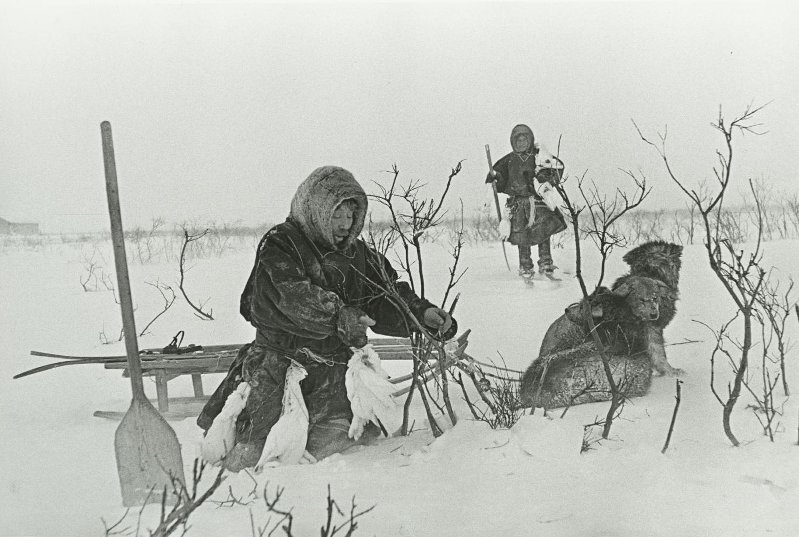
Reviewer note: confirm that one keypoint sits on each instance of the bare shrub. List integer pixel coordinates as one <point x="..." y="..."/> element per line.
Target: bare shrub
<point x="591" y="437"/>
<point x="501" y="405"/>
<point x="168" y="295"/>
<point x="144" y="240"/>
<point x="481" y="226"/>
<point x="412" y="216"/>
<point x="177" y="505"/>
<point x="602" y="229"/>
<point x="645" y="226"/>
<point x="677" y="399"/>
<point x="791" y="208"/>
<point x="189" y="238"/>
<point x="765" y="410"/>
<point x="775" y="304"/>
<point x="105" y="340"/>
<point x="685" y="225"/>
<point x="92" y="274"/>
<point x="740" y="274"/>
<point x="336" y="521"/>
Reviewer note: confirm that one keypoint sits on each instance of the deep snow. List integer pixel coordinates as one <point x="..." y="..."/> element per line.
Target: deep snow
<point x="58" y="470"/>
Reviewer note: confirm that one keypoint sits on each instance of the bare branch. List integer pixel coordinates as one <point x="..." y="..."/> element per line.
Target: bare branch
<point x="741" y="275"/>
<point x="673" y="417"/>
<point x="168" y="301"/>
<point x="187" y="239"/>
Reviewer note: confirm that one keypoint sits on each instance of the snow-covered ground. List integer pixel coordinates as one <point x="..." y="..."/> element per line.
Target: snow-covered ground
<point x="58" y="472"/>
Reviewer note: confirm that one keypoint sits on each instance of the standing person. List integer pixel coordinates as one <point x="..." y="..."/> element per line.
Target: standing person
<point x="532" y="221"/>
<point x="311" y="295"/>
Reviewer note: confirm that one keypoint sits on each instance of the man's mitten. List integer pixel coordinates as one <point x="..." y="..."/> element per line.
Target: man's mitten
<point x="351" y="326"/>
<point x="440" y="322"/>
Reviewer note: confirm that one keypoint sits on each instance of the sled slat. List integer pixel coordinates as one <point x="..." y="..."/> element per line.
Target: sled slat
<point x="214" y="359"/>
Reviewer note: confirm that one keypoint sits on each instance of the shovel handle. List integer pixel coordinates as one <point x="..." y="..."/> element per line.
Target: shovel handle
<point x="493" y="183"/>
<point x="496" y="201"/>
<point x="121" y="262"/>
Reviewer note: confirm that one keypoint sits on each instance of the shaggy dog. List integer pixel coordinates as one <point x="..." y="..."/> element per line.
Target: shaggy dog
<point x="629" y="320"/>
<point x="659" y="260"/>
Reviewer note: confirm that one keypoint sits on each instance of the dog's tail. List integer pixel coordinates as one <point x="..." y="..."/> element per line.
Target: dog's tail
<point x="531" y="379"/>
<point x="543" y="379"/>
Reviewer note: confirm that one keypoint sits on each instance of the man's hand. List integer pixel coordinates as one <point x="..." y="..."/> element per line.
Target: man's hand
<point x="504" y="229"/>
<point x="351" y="326"/>
<point x="437" y="319"/>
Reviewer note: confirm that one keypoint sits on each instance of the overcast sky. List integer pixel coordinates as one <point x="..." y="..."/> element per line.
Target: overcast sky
<point x="220" y="110"/>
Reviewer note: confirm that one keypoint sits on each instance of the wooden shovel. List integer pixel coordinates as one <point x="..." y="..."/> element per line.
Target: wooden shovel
<point x="496" y="202"/>
<point x="147" y="449"/>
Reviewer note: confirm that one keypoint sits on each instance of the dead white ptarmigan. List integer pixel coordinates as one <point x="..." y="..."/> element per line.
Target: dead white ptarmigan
<point x="221" y="436"/>
<point x="285" y="443"/>
<point x="369" y="391"/>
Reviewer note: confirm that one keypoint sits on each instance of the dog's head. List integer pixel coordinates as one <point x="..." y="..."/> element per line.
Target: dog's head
<point x="643" y="296"/>
<point x="656" y="259"/>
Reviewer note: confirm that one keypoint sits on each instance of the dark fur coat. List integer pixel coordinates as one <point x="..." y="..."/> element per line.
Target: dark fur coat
<point x="299" y="282"/>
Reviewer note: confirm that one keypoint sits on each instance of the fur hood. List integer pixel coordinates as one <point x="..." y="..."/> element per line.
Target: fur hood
<point x="318" y="196"/>
<point x="523" y="129"/>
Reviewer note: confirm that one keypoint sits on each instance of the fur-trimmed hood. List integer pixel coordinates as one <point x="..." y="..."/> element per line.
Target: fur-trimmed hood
<point x="523" y="129"/>
<point x="318" y="196"/>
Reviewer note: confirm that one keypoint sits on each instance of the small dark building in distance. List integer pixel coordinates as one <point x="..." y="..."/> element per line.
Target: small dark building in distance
<point x="18" y="228"/>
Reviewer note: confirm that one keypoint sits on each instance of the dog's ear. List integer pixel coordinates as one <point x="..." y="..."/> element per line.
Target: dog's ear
<point x="575" y="312"/>
<point x="623" y="290"/>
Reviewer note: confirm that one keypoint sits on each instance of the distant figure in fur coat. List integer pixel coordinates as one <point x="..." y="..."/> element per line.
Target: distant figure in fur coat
<point x="311" y="299"/>
<point x="532" y="221"/>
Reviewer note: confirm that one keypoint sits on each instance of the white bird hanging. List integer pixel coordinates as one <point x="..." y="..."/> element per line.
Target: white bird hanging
<point x="221" y="435"/>
<point x="369" y="391"/>
<point x="531" y="219"/>
<point x="285" y="443"/>
<point x="504" y="223"/>
<point x="550" y="196"/>
<point x="547" y="159"/>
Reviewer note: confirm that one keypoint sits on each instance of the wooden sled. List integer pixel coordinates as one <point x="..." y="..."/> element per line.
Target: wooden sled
<point x="210" y="359"/>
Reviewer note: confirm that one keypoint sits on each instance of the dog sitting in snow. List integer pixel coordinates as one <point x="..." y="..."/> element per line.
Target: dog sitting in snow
<point x="658" y="260"/>
<point x="629" y="319"/>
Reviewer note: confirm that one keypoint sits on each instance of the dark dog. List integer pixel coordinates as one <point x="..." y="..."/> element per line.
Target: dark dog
<point x="629" y="320"/>
<point x="661" y="261"/>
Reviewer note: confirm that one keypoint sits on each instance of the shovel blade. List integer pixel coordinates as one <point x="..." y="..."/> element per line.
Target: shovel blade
<point x="148" y="456"/>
